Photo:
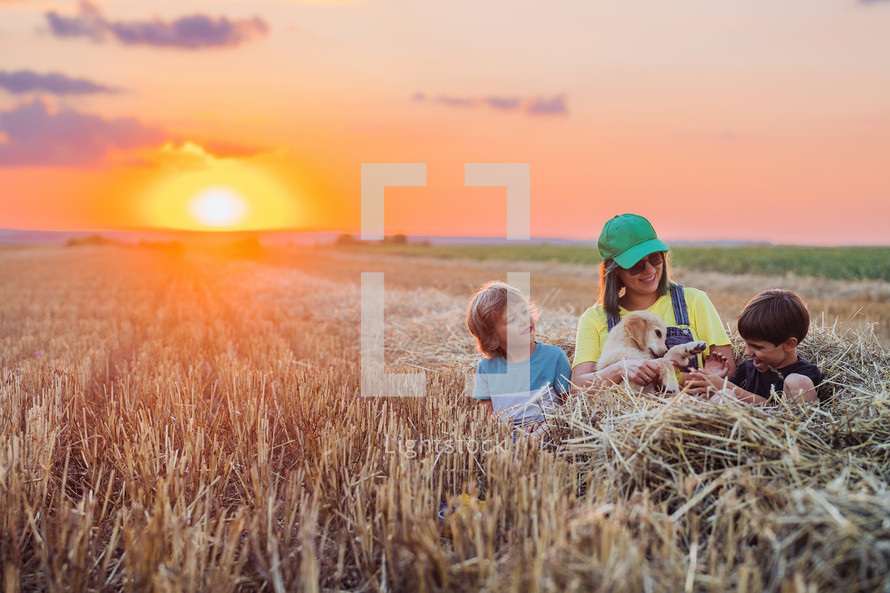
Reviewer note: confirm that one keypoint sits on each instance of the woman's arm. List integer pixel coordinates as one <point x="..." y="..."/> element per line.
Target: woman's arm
<point x="584" y="374"/>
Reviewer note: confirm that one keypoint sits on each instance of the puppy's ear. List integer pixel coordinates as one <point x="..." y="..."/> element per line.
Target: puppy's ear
<point x="636" y="331"/>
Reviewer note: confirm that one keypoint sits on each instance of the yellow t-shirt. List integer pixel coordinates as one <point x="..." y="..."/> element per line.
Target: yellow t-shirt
<point x="703" y="320"/>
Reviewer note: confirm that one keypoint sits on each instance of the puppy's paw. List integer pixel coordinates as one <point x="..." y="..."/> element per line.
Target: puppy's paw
<point x="696" y="347"/>
<point x="680" y="354"/>
<point x="683" y="352"/>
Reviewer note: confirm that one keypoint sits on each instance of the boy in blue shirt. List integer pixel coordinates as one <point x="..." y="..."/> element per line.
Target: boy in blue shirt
<point x="519" y="378"/>
<point x="772" y="324"/>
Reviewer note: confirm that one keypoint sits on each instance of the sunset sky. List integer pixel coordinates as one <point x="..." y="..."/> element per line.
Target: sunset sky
<point x="755" y="120"/>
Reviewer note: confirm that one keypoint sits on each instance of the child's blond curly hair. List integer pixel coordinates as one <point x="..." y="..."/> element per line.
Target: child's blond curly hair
<point x="486" y="310"/>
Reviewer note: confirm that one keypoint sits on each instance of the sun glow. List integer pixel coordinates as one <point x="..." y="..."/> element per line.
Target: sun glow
<point x="233" y="197"/>
<point x="218" y="206"/>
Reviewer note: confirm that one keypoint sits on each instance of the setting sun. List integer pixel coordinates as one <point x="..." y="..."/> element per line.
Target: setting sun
<point x="218" y="206"/>
<point x="230" y="197"/>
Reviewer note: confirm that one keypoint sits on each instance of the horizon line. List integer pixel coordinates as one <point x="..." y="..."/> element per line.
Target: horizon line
<point x="453" y="239"/>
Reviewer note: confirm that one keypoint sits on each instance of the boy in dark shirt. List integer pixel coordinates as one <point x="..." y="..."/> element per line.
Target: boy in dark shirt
<point x="772" y="324"/>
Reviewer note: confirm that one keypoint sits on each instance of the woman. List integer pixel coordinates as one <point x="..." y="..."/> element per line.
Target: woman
<point x="635" y="260"/>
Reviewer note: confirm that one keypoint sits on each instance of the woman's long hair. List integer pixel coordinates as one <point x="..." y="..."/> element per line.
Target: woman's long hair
<point x="611" y="284"/>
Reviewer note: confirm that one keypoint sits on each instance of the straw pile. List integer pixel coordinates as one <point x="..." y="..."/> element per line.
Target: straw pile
<point x="804" y="488"/>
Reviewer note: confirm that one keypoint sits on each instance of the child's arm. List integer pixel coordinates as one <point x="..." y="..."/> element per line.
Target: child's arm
<point x="717" y="363"/>
<point x="800" y="388"/>
<point x="722" y="354"/>
<point x="706" y="383"/>
<point x="481" y="391"/>
<point x="562" y="382"/>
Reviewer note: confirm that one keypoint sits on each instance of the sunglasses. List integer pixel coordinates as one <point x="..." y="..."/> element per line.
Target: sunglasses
<point x="654" y="260"/>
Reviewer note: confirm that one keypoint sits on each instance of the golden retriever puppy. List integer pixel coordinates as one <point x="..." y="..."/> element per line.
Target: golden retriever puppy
<point x="641" y="334"/>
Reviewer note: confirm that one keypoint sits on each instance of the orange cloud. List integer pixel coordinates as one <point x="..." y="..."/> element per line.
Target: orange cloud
<point x="191" y="155"/>
<point x="188" y="156"/>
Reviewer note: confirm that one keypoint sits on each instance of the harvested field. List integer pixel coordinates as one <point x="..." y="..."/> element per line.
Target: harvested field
<point x="187" y="422"/>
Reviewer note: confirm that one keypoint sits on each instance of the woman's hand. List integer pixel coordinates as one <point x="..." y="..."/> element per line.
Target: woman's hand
<point x="639" y="371"/>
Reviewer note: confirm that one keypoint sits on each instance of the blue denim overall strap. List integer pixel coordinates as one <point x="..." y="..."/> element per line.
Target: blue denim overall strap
<point x="678" y="302"/>
<point x="681" y="333"/>
<point x="611" y="321"/>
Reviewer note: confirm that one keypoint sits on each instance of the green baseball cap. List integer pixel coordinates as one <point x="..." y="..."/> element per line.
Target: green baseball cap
<point x="628" y="238"/>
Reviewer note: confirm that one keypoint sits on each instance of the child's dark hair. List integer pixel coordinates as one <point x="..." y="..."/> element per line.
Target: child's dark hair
<point x="486" y="310"/>
<point x="774" y="316"/>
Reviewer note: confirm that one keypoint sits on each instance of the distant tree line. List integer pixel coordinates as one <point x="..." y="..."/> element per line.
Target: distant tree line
<point x="97" y="240"/>
<point x="347" y="240"/>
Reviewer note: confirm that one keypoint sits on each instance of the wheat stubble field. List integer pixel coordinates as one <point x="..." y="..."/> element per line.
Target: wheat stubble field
<point x="190" y="422"/>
